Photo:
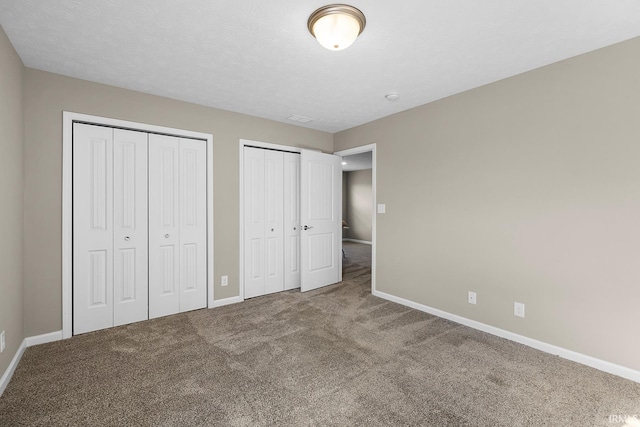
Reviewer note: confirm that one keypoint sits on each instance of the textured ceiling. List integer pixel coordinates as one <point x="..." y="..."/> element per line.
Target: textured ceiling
<point x="257" y="57"/>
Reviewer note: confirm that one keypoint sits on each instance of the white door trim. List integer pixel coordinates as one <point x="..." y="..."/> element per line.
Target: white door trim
<point x="358" y="150"/>
<point x="241" y="144"/>
<point x="68" y="118"/>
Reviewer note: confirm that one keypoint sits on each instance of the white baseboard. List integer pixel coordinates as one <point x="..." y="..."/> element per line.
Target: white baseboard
<point x="27" y="342"/>
<point x="6" y="377"/>
<point x="225" y="301"/>
<point x="583" y="359"/>
<point x="364" y="242"/>
<point x="43" y="339"/>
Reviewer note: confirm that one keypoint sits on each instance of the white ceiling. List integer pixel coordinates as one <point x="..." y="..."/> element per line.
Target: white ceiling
<point x="257" y="57"/>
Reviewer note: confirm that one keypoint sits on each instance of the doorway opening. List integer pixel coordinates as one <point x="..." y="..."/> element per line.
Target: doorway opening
<point x="358" y="212"/>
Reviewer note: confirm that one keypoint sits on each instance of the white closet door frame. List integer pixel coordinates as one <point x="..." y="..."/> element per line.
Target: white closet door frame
<point x="68" y="118"/>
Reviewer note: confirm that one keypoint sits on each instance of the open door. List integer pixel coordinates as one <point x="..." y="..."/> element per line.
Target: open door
<point x="321" y="219"/>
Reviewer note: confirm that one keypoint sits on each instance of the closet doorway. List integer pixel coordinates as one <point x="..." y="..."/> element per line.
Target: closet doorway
<point x="137" y="222"/>
<point x="290" y="216"/>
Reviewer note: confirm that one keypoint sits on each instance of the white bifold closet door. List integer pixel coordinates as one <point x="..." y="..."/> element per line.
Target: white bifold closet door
<point x="110" y="227"/>
<point x="264" y="210"/>
<point x="291" y="221"/>
<point x="139" y="226"/>
<point x="177" y="225"/>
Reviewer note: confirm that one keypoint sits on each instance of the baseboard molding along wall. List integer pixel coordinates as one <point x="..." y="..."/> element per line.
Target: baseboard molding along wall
<point x="583" y="359"/>
<point x="226" y="301"/>
<point x="364" y="242"/>
<point x="27" y="342"/>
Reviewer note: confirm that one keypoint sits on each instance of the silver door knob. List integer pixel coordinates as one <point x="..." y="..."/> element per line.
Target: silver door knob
<point x="272" y="229"/>
<point x="306" y="227"/>
<point x="166" y="236"/>
<point x="295" y="228"/>
<point x="126" y="239"/>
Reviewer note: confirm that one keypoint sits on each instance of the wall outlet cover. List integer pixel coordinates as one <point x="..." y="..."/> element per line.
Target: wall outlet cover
<point x="472" y="297"/>
<point x="518" y="309"/>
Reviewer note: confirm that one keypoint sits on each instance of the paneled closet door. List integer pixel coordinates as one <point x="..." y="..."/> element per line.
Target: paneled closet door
<point x="254" y="222"/>
<point x="130" y="242"/>
<point x="291" y="221"/>
<point x="263" y="222"/>
<point x="164" y="226"/>
<point x="93" y="228"/>
<point x="274" y="221"/>
<point x="193" y="224"/>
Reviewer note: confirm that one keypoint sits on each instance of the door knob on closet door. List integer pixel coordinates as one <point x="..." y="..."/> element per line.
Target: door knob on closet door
<point x="166" y="236"/>
<point x="272" y="229"/>
<point x="306" y="227"/>
<point x="126" y="239"/>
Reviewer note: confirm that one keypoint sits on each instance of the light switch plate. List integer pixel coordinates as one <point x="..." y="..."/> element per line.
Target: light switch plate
<point x="382" y="208"/>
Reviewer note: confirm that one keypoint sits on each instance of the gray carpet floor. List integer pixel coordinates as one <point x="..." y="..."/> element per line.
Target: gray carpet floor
<point x="337" y="356"/>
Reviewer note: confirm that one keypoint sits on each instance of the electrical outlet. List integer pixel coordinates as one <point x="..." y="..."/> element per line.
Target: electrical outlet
<point x="2" y="343"/>
<point x="518" y="309"/>
<point x="472" y="297"/>
<point x="224" y="281"/>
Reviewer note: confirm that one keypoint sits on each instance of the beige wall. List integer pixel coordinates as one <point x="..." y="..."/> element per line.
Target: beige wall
<point x="47" y="95"/>
<point x="11" y="192"/>
<point x="359" y="203"/>
<point x="524" y="190"/>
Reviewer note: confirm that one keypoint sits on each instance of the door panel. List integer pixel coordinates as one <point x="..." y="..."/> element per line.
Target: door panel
<point x="193" y="224"/>
<point x="274" y="244"/>
<point x="93" y="228"/>
<point x="263" y="222"/>
<point x="321" y="211"/>
<point x="130" y="224"/>
<point x="164" y="227"/>
<point x="291" y="221"/>
<point x="254" y="223"/>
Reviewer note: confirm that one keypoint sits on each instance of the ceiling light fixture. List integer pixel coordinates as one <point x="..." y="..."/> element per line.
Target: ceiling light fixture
<point x="336" y="26"/>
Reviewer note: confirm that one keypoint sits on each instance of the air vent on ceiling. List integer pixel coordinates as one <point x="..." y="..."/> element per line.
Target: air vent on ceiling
<point x="299" y="119"/>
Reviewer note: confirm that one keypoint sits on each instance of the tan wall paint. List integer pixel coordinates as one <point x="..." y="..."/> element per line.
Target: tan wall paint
<point x="359" y="201"/>
<point x="47" y="95"/>
<point x="11" y="193"/>
<point x="525" y="190"/>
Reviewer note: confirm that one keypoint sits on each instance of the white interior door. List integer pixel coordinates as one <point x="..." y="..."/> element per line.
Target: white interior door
<point x="93" y="228"/>
<point x="164" y="226"/>
<point x="321" y="219"/>
<point x="130" y="244"/>
<point x="291" y="221"/>
<point x="193" y="224"/>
